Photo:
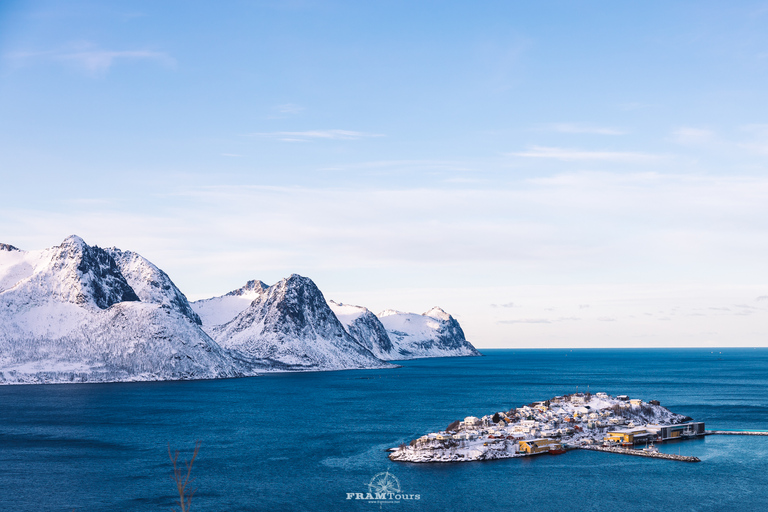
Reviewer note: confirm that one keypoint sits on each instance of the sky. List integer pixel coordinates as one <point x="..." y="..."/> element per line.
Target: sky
<point x="553" y="174"/>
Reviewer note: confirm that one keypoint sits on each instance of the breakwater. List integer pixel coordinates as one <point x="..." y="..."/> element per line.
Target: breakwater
<point x="640" y="453"/>
<point x="736" y="433"/>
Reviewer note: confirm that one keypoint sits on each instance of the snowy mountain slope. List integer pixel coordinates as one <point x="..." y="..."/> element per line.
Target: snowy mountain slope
<point x="432" y="334"/>
<point x="291" y="325"/>
<point x="71" y="272"/>
<point x="150" y="283"/>
<point x="220" y="310"/>
<point x="130" y="341"/>
<point x="67" y="314"/>
<point x="365" y="328"/>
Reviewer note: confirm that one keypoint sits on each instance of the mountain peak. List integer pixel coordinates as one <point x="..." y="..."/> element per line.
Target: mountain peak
<point x="292" y="325"/>
<point x="8" y="247"/>
<point x="438" y="313"/>
<point x="96" y="273"/>
<point x="254" y="285"/>
<point x="150" y="283"/>
<point x="73" y="240"/>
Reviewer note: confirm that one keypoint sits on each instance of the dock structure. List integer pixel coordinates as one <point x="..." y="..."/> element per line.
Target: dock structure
<point x="737" y="432"/>
<point x="640" y="453"/>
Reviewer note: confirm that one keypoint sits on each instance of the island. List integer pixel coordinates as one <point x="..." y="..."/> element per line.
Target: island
<point x="581" y="420"/>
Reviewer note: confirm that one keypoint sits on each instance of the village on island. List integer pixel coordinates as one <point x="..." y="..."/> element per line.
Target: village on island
<point x="581" y="420"/>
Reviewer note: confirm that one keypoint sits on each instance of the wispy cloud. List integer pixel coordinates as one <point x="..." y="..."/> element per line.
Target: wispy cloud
<point x="526" y="321"/>
<point x="310" y="135"/>
<point x="693" y="136"/>
<point x="285" y="110"/>
<point x="93" y="60"/>
<point x="289" y="108"/>
<point x="583" y="128"/>
<point x="567" y="154"/>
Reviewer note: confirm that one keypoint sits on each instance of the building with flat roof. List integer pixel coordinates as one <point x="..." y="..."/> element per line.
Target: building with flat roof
<point x="678" y="431"/>
<point x="628" y="435"/>
<point x="538" y="445"/>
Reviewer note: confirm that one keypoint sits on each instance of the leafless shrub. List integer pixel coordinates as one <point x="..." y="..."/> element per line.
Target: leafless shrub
<point x="182" y="479"/>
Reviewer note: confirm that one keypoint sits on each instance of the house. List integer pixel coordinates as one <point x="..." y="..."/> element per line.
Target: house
<point x="628" y="436"/>
<point x="470" y="421"/>
<point x="601" y="394"/>
<point x="540" y="445"/>
<point x="623" y="398"/>
<point x="577" y="399"/>
<point x="636" y="402"/>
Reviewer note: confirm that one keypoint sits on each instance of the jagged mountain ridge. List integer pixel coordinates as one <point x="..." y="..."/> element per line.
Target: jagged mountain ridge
<point x="80" y="313"/>
<point x="431" y="334"/>
<point x="220" y="310"/>
<point x="67" y="314"/>
<point x="291" y="324"/>
<point x="366" y="328"/>
<point x="71" y="272"/>
<point x="150" y="283"/>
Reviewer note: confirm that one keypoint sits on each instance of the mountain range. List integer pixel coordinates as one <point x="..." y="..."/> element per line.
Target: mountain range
<point x="80" y="313"/>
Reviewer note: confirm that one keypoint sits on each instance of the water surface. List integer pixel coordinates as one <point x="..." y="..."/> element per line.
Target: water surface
<point x="302" y="441"/>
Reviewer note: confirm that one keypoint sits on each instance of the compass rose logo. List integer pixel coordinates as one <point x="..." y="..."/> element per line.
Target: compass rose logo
<point x="384" y="488"/>
<point x="384" y="483"/>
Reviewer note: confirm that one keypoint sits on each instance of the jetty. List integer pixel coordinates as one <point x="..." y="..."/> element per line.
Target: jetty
<point x="640" y="453"/>
<point x="736" y="432"/>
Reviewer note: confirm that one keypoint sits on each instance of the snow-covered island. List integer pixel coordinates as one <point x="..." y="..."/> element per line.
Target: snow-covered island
<point x="552" y="426"/>
<point x="79" y="313"/>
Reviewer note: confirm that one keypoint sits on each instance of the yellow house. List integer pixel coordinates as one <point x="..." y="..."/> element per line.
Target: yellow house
<point x="537" y="445"/>
<point x="625" y="436"/>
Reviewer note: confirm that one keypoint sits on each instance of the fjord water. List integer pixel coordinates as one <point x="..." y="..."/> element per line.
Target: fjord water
<point x="303" y="441"/>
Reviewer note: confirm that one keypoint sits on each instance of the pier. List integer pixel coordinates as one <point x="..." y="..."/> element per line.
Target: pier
<point x="737" y="432"/>
<point x="640" y="453"/>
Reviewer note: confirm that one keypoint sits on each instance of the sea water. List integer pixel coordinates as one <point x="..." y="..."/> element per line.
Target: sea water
<point x="306" y="441"/>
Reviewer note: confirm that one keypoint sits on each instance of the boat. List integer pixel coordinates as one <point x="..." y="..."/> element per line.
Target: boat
<point x="651" y="448"/>
<point x="556" y="451"/>
<point x="688" y="432"/>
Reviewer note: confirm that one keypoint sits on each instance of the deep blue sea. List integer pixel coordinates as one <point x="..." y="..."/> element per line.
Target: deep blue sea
<point x="303" y="441"/>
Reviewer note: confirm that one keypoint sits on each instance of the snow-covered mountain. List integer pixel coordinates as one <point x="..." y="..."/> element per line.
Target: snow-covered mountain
<point x="432" y="334"/>
<point x="220" y="310"/>
<point x="79" y="313"/>
<point x="68" y="314"/>
<point x="366" y="328"/>
<point x="150" y="283"/>
<point x="291" y="325"/>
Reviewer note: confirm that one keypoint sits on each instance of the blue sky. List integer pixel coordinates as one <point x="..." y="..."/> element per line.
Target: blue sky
<point x="553" y="174"/>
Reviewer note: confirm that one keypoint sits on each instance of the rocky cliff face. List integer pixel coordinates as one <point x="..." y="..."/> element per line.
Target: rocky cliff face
<point x="291" y="325"/>
<point x="68" y="314"/>
<point x="366" y="328"/>
<point x="432" y="334"/>
<point x="71" y="272"/>
<point x="150" y="283"/>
